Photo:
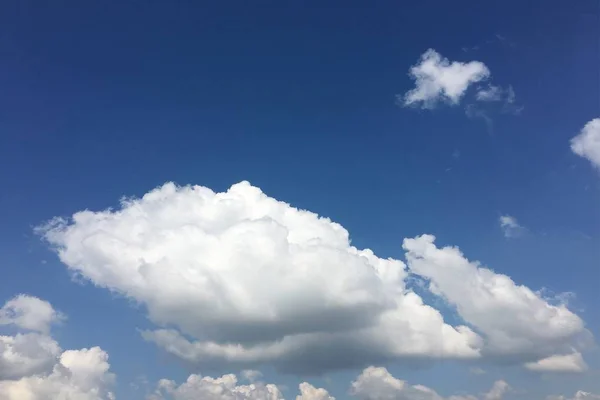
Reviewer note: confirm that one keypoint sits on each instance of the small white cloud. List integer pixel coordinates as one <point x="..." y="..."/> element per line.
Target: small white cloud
<point x="309" y="392"/>
<point x="587" y="143"/>
<point x="378" y="384"/>
<point x="559" y="363"/>
<point x="510" y="226"/>
<point x="28" y="312"/>
<point x="437" y="79"/>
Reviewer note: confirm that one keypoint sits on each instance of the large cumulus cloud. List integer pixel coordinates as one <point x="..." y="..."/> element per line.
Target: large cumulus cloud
<point x="238" y="277"/>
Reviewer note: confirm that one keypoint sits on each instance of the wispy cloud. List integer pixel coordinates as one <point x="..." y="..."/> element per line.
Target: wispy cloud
<point x="511" y="227"/>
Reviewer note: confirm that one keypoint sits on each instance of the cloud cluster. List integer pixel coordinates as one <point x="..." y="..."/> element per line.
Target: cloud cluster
<point x="240" y="278"/>
<point x="34" y="367"/>
<point x="579" y="395"/>
<point x="587" y="143"/>
<point x="207" y="388"/>
<point x="374" y="383"/>
<point x="439" y="80"/>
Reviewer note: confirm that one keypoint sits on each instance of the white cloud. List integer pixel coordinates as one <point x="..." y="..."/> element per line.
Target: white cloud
<point x="28" y="312"/>
<point x="580" y="395"/>
<point x="79" y="374"/>
<point x="26" y="354"/>
<point x="242" y="279"/>
<point x="34" y="367"/>
<point x="587" y="143"/>
<point x="309" y="392"/>
<point x="510" y="226"/>
<point x="376" y="383"/>
<point x="514" y="320"/>
<point x="437" y="79"/>
<point x="251" y="280"/>
<point x="226" y="388"/>
<point x="559" y="363"/>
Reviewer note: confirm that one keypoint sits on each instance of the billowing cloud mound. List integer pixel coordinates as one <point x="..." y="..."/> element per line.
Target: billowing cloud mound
<point x="378" y="384"/>
<point x="239" y="277"/>
<point x="28" y="312"/>
<point x="587" y="143"/>
<point x="33" y="366"/>
<point x="437" y="79"/>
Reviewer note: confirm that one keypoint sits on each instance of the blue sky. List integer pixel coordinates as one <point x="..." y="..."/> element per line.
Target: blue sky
<point x="100" y="100"/>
